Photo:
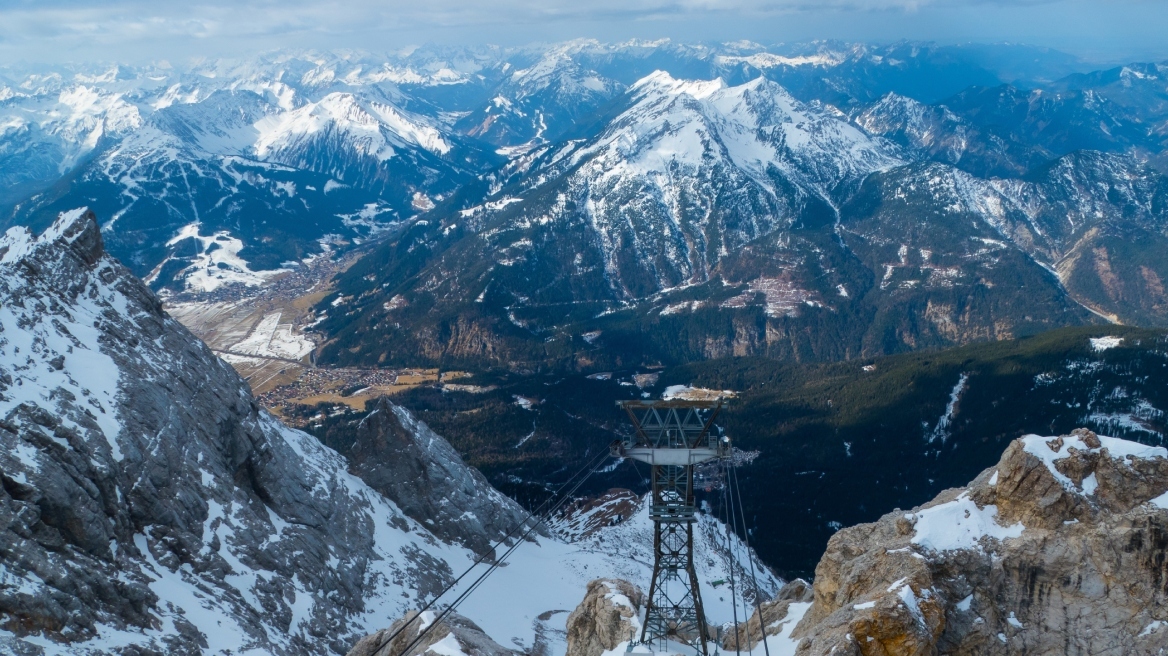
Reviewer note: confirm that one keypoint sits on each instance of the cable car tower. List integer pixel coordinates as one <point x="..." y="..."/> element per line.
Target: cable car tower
<point x="673" y="436"/>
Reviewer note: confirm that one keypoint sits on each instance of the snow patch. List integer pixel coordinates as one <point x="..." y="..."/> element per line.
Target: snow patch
<point x="1151" y="628"/>
<point x="687" y="393"/>
<point x="1041" y="448"/>
<point x="959" y="524"/>
<point x="1100" y="344"/>
<point x="270" y="338"/>
<point x="217" y="262"/>
<point x="781" y="644"/>
<point x="941" y="430"/>
<point x="1161" y="501"/>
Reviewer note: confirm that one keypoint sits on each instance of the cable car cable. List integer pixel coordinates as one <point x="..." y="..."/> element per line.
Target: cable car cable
<point x="531" y="515"/>
<point x="750" y="556"/>
<point x="495" y="565"/>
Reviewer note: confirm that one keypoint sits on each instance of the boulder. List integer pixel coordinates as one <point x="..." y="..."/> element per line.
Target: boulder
<point x="608" y="616"/>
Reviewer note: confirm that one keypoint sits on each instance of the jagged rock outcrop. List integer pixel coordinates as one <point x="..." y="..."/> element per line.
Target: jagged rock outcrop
<point x="403" y="459"/>
<point x="608" y="616"/>
<point x="452" y="636"/>
<point x="774" y="612"/>
<point x="1058" y="549"/>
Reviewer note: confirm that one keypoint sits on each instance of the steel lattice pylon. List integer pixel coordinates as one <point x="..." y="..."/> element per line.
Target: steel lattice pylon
<point x="672" y="437"/>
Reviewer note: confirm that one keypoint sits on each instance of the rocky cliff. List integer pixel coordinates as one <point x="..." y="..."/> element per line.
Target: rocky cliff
<point x="419" y="471"/>
<point x="149" y="504"/>
<point x="783" y="611"/>
<point x="1058" y="549"/>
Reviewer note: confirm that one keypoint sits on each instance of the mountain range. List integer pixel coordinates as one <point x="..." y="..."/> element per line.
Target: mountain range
<point x="700" y="220"/>
<point x="238" y="171"/>
<point x="894" y="258"/>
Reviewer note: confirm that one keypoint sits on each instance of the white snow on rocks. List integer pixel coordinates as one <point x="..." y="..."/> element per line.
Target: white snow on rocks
<point x="1100" y="344"/>
<point x="1049" y="451"/>
<point x="781" y="643"/>
<point x="959" y="524"/>
<point x="372" y="128"/>
<point x="45" y="358"/>
<point x="688" y="393"/>
<point x="759" y="124"/>
<point x="1154" y="626"/>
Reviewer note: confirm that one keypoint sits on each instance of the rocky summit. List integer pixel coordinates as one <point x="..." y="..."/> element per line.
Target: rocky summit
<point x="1058" y="549"/>
<point x="419" y="471"/>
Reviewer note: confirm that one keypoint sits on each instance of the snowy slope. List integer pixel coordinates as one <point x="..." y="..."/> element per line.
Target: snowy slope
<point x="148" y="502"/>
<point x="755" y="126"/>
<point x="47" y="128"/>
<point x="540" y="94"/>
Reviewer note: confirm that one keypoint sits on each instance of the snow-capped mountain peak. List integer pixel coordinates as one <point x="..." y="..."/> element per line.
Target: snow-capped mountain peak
<point x="664" y="83"/>
<point x="757" y="127"/>
<point x="372" y="128"/>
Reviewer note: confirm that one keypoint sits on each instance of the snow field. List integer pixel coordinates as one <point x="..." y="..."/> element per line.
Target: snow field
<point x="218" y="262"/>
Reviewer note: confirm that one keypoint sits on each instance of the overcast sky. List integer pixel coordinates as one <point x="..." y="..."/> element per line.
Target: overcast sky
<point x="150" y="30"/>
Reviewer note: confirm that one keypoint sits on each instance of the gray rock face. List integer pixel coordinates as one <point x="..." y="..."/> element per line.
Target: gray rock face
<point x="1059" y="549"/>
<point x="148" y="505"/>
<point x="608" y="616"/>
<point x="403" y="459"/>
<point x="773" y="613"/>
<point x="453" y="634"/>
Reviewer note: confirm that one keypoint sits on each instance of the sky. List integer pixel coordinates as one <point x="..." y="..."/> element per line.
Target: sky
<point x="136" y="31"/>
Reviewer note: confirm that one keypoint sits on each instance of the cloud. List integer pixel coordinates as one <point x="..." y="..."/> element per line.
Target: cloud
<point x="140" y="29"/>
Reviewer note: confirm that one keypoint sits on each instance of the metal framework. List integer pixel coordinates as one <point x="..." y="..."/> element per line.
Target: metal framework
<point x="672" y="437"/>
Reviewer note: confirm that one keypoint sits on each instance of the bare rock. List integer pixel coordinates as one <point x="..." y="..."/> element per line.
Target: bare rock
<point x="607" y="617"/>
<point x="418" y="470"/>
<point x="1058" y="549"/>
<point x="774" y="612"/>
<point x="454" y="634"/>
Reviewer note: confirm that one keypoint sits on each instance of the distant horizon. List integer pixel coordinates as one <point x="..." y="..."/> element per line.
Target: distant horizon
<point x="407" y="50"/>
<point x="136" y="32"/>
